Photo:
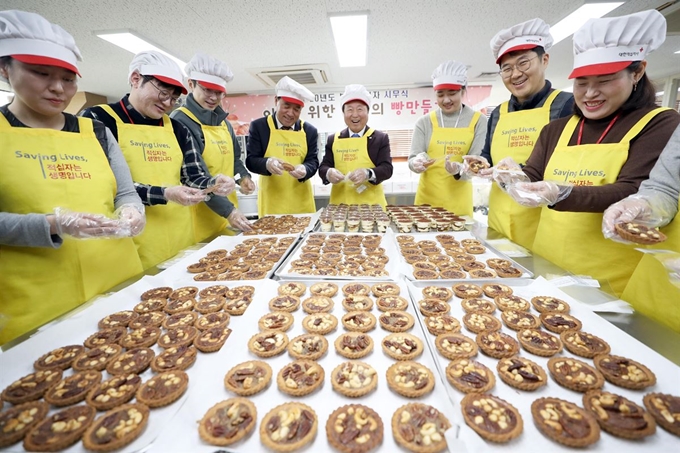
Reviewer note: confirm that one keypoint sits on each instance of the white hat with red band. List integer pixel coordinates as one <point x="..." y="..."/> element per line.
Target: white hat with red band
<point x="356" y="92"/>
<point x="209" y="72"/>
<point x="608" y="45"/>
<point x="291" y="91"/>
<point x="450" y="75"/>
<point x="527" y="35"/>
<point x="32" y="39"/>
<point x="155" y="64"/>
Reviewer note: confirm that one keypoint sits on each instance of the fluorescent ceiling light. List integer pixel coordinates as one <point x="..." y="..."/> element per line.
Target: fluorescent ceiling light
<point x="567" y="26"/>
<point x="350" y="34"/>
<point x="135" y="44"/>
<point x="678" y="51"/>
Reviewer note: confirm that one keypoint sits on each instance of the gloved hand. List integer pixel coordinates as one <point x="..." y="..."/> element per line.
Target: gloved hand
<point x="239" y="221"/>
<point x="186" y="196"/>
<point x="421" y="162"/>
<point x="506" y="173"/>
<point x="299" y="172"/>
<point x="453" y="168"/>
<point x="358" y="176"/>
<point x="633" y="208"/>
<point x="222" y="185"/>
<point x="334" y="176"/>
<point x="83" y="225"/>
<point x="247" y="186"/>
<point x="540" y="193"/>
<point x="274" y="166"/>
<point x="132" y="219"/>
<point x="470" y="163"/>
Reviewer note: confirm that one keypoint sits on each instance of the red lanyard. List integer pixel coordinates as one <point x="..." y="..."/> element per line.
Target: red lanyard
<point x="128" y="114"/>
<point x="599" y="140"/>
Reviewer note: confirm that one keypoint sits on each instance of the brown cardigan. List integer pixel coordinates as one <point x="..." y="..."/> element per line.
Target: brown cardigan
<point x="642" y="155"/>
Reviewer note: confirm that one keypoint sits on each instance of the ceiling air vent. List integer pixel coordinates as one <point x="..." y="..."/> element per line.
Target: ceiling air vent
<point x="316" y="74"/>
<point x="486" y="76"/>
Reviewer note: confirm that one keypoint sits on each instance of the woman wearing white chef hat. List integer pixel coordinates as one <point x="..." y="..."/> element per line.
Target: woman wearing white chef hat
<point x="602" y="153"/>
<point x="207" y="121"/>
<point x="163" y="157"/>
<point x="521" y="54"/>
<point x="441" y="139"/>
<point x="61" y="176"/>
<point x="357" y="154"/>
<point x="283" y="149"/>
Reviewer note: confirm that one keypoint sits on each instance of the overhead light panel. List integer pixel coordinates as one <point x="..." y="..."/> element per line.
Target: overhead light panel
<point x="350" y="32"/>
<point x="567" y="26"/>
<point x="135" y="44"/>
<point x="678" y="51"/>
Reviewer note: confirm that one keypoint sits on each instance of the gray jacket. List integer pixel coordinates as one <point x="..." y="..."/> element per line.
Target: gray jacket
<point x="220" y="205"/>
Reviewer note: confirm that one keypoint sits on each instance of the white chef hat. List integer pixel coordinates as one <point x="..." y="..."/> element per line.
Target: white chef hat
<point x="450" y="75"/>
<point x="155" y="64"/>
<point x="356" y="92"/>
<point x="291" y="91"/>
<point x="32" y="39"/>
<point x="527" y="35"/>
<point x="209" y="72"/>
<point x="608" y="45"/>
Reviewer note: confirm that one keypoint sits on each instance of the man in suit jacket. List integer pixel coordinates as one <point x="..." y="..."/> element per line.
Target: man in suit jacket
<point x="358" y="158"/>
<point x="284" y="151"/>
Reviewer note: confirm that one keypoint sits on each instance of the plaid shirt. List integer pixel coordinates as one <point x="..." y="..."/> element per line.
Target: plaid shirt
<point x="191" y="173"/>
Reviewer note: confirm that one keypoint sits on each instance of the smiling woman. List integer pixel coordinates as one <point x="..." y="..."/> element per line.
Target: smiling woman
<point x="602" y="153"/>
<point x="80" y="186"/>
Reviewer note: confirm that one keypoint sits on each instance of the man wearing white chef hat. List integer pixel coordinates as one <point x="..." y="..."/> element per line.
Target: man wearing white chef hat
<point x="163" y="158"/>
<point x="62" y="178"/>
<point x="514" y="126"/>
<point x="283" y="149"/>
<point x="442" y="138"/>
<point x="207" y="121"/>
<point x="357" y="154"/>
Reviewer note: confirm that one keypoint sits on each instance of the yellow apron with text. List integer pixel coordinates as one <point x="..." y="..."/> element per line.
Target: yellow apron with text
<point x="218" y="155"/>
<point x="574" y="240"/>
<point x="43" y="169"/>
<point x="436" y="186"/>
<point x="350" y="154"/>
<point x="649" y="289"/>
<point x="155" y="158"/>
<point x="515" y="136"/>
<point x="285" y="194"/>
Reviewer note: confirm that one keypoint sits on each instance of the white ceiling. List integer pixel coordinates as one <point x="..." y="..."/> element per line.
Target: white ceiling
<point x="407" y="39"/>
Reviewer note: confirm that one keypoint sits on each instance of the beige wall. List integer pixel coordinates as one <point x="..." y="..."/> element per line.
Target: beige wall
<point x="83" y="100"/>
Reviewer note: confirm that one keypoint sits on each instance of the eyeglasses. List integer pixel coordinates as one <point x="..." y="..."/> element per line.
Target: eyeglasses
<point x="163" y="95"/>
<point x="521" y="66"/>
<point x="211" y="93"/>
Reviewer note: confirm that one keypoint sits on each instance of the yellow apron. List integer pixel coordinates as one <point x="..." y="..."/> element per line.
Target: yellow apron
<point x="436" y="186"/>
<point x="218" y="155"/>
<point x="285" y="194"/>
<point x="350" y="154"/>
<point x="43" y="169"/>
<point x="155" y="158"/>
<point x="515" y="136"/>
<point x="649" y="289"/>
<point x="574" y="240"/>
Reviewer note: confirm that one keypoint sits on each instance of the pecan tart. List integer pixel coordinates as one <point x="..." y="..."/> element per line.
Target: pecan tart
<point x="60" y="430"/>
<point x="565" y="422"/>
<point x="396" y="321"/>
<point x="420" y="428"/>
<point x="359" y="321"/>
<point x="59" y="359"/>
<point x="354" y="428"/>
<point x="454" y="346"/>
<point x="248" y="378"/>
<point x="31" y="387"/>
<point x="402" y="346"/>
<point x="288" y="427"/>
<point x="16" y="421"/>
<point x="354" y="379"/>
<point x="278" y="320"/>
<point x="114" y="392"/>
<point x="665" y="409"/>
<point x="309" y="346"/>
<point x="521" y="373"/>
<point x="491" y="417"/>
<point x="354" y="345"/>
<point x="268" y="343"/>
<point x="584" y="344"/>
<point x="575" y="374"/>
<point x="539" y="342"/>
<point x="96" y="358"/>
<point x="618" y="415"/>
<point x="624" y="372"/>
<point x="497" y="344"/>
<point x="300" y="377"/>
<point x="470" y="376"/>
<point x="116" y="428"/>
<point x="228" y="422"/>
<point x="133" y="361"/>
<point x="174" y="358"/>
<point x="320" y="323"/>
<point x="163" y="389"/>
<point x="73" y="389"/>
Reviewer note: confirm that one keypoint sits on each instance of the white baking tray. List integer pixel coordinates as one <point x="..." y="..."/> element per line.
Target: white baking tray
<point x="531" y="440"/>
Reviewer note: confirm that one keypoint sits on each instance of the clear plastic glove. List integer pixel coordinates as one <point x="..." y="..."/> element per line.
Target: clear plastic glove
<point x="132" y="219"/>
<point x="541" y="193"/>
<point x="274" y="166"/>
<point x="83" y="225"/>
<point x="186" y="196"/>
<point x="475" y="166"/>
<point x="223" y="185"/>
<point x="507" y="172"/>
<point x="358" y="176"/>
<point x="334" y="176"/>
<point x="247" y="186"/>
<point x="239" y="221"/>
<point x="421" y="162"/>
<point x="636" y="208"/>
<point x="453" y="168"/>
<point x="299" y="172"/>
